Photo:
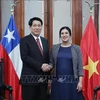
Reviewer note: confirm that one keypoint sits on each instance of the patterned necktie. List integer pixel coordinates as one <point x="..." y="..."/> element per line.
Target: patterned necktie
<point x="38" y="42"/>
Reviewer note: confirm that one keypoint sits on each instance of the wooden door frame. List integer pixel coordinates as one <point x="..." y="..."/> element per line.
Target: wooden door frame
<point x="76" y="21"/>
<point x="19" y="17"/>
<point x="96" y="17"/>
<point x="48" y="21"/>
<point x="76" y="16"/>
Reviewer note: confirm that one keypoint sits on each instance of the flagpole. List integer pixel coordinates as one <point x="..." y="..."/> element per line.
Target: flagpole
<point x="13" y="4"/>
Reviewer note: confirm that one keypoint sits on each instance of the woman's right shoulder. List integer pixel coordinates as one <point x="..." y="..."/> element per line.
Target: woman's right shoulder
<point x="55" y="46"/>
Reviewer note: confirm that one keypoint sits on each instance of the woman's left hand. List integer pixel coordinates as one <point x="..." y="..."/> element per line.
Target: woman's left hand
<point x="79" y="86"/>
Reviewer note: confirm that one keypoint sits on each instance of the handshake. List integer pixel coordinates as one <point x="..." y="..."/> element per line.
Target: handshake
<point x="46" y="67"/>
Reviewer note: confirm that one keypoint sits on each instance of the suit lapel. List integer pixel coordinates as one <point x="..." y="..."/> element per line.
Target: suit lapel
<point x="43" y="44"/>
<point x="35" y="44"/>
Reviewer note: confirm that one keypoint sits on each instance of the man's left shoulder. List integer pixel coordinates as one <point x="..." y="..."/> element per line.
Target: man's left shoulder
<point x="44" y="39"/>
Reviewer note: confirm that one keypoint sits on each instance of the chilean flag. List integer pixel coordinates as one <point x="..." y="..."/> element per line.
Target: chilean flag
<point x="10" y="52"/>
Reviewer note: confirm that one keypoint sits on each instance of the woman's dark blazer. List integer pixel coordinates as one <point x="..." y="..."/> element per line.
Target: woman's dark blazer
<point x="32" y="59"/>
<point x="76" y="59"/>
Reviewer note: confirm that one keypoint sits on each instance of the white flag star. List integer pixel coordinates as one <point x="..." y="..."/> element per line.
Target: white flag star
<point x="9" y="35"/>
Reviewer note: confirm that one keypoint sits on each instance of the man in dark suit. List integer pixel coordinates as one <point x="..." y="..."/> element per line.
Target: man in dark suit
<point x="35" y="56"/>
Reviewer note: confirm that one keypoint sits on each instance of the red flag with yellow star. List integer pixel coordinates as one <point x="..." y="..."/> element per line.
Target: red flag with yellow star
<point x="91" y="60"/>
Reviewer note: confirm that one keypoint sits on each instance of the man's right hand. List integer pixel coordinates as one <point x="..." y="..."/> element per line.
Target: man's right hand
<point x="45" y="67"/>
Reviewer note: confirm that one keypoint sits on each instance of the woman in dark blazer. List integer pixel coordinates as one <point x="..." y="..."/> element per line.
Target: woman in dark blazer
<point x="66" y="60"/>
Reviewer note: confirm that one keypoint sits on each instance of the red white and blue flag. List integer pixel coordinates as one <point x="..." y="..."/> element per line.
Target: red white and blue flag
<point x="10" y="52"/>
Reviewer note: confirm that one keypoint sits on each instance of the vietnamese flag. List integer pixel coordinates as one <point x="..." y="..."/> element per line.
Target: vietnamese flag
<point x="10" y="52"/>
<point x="91" y="61"/>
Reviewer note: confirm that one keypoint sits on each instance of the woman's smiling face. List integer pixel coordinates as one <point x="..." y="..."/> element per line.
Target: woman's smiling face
<point x="65" y="35"/>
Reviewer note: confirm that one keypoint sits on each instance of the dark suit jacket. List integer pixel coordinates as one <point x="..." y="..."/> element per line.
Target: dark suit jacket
<point x="32" y="59"/>
<point x="76" y="59"/>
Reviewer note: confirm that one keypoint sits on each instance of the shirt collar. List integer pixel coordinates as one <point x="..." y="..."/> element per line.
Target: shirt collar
<point x="35" y="37"/>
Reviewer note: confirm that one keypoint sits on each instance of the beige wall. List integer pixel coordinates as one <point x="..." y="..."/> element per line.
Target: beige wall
<point x="62" y="14"/>
<point x="33" y="8"/>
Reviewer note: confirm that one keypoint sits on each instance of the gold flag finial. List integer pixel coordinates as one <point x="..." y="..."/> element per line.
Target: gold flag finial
<point x="13" y="4"/>
<point x="91" y="7"/>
